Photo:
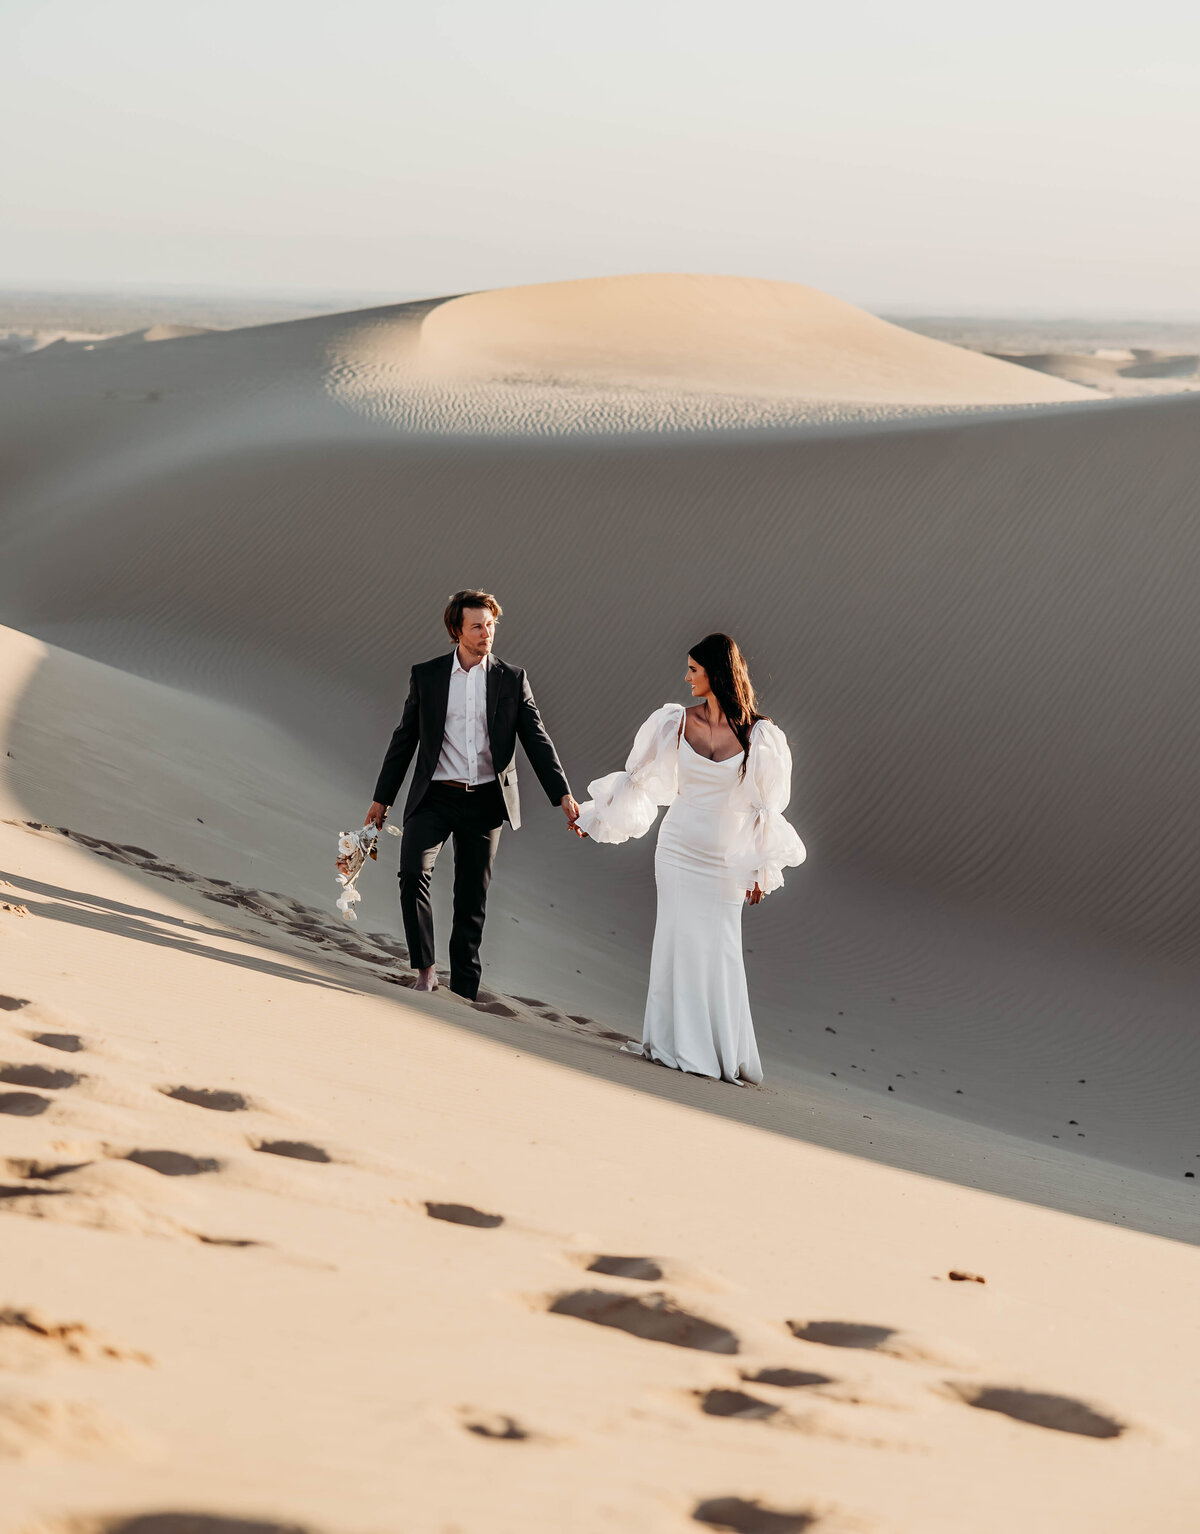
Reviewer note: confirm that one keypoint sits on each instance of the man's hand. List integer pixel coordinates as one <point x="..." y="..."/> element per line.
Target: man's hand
<point x="571" y="811"/>
<point x="377" y="814"/>
<point x="755" y="895"/>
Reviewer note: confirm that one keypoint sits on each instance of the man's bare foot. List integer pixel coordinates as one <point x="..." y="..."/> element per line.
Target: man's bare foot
<point x="427" y="979"/>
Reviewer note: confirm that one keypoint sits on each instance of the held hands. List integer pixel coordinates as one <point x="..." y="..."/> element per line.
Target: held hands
<point x="571" y="810"/>
<point x="755" y="895"/>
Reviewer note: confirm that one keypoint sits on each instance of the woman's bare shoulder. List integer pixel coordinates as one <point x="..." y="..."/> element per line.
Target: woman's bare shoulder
<point x="685" y="714"/>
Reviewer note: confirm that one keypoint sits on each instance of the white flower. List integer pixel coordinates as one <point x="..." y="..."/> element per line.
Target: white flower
<point x="353" y="850"/>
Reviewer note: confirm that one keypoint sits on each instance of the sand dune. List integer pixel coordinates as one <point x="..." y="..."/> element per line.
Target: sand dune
<point x="163" y="332"/>
<point x="1131" y="373"/>
<point x="736" y="335"/>
<point x="977" y="634"/>
<point x="56" y="344"/>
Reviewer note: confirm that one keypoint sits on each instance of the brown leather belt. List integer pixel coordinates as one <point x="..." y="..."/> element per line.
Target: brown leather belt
<point x="467" y="788"/>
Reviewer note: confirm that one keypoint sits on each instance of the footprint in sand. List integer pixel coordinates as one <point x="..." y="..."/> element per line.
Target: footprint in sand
<point x="12" y="1003"/>
<point x="750" y="1517"/>
<point x="68" y="1043"/>
<point x="496" y="1007"/>
<point x="208" y="1097"/>
<point x="843" y="1334"/>
<point x="297" y="1150"/>
<point x="654" y="1317"/>
<point x="644" y="1268"/>
<point x="496" y="1426"/>
<point x="590" y="1025"/>
<point x="734" y="1403"/>
<point x="107" y="1193"/>
<point x="28" y="1338"/>
<point x="788" y="1379"/>
<point x="41" y="1171"/>
<point x="25" y="1105"/>
<point x="280" y="911"/>
<point x="43" y="1076"/>
<point x="177" y="1523"/>
<point x="1061" y="1414"/>
<point x="885" y="1340"/>
<point x="10" y="1191"/>
<point x="463" y="1214"/>
<point x="169" y="1163"/>
<point x="550" y="1015"/>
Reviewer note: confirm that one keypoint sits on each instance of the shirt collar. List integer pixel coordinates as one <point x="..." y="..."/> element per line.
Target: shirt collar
<point x="458" y="665"/>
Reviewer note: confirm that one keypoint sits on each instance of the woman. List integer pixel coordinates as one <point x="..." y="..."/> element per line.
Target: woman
<point x="725" y="771"/>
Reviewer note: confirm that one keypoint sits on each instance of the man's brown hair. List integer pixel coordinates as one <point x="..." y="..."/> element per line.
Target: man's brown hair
<point x="453" y="616"/>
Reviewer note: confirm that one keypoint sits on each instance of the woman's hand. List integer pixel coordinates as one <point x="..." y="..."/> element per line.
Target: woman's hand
<point x="755" y="895"/>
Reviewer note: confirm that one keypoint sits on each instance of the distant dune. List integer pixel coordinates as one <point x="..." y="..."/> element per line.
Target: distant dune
<point x="656" y="353"/>
<point x="161" y="333"/>
<point x="736" y="335"/>
<point x="1131" y="373"/>
<point x="55" y="344"/>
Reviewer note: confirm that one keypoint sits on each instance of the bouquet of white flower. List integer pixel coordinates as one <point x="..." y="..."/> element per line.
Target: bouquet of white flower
<point x="354" y="848"/>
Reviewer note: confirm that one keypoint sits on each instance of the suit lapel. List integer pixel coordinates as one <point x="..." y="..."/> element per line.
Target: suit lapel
<point x="440" y="696"/>
<point x="493" y="694"/>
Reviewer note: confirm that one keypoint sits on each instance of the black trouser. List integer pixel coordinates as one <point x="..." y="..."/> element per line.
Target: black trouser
<point x="473" y="818"/>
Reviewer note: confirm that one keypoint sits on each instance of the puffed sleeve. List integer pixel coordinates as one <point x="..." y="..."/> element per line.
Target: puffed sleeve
<point x="625" y="804"/>
<point x="771" y="843"/>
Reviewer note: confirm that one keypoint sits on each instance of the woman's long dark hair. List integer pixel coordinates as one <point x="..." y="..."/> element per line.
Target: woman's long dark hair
<point x="730" y="681"/>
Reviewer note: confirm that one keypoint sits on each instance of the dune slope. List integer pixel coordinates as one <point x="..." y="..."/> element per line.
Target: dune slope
<point x="976" y="635"/>
<point x="287" y="1247"/>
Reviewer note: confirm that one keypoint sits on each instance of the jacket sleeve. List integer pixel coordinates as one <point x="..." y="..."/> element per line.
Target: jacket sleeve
<point x="625" y="804"/>
<point x="405" y="738"/>
<point x="771" y="843"/>
<point x="539" y="748"/>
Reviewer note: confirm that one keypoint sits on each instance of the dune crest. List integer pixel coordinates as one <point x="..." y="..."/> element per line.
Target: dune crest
<point x="165" y="332"/>
<point x="739" y="335"/>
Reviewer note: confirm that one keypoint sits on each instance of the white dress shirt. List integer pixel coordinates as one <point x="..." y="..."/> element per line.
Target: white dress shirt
<point x="466" y="755"/>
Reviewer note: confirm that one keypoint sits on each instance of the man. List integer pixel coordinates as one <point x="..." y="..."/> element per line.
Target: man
<point x="462" y="719"/>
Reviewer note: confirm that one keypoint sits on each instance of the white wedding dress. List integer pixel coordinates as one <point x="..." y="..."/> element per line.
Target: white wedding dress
<point x="721" y="835"/>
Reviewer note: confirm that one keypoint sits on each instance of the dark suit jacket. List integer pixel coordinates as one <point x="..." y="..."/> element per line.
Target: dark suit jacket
<point x="512" y="715"/>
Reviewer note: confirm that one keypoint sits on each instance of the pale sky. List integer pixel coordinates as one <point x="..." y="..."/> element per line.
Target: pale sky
<point x="937" y="156"/>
